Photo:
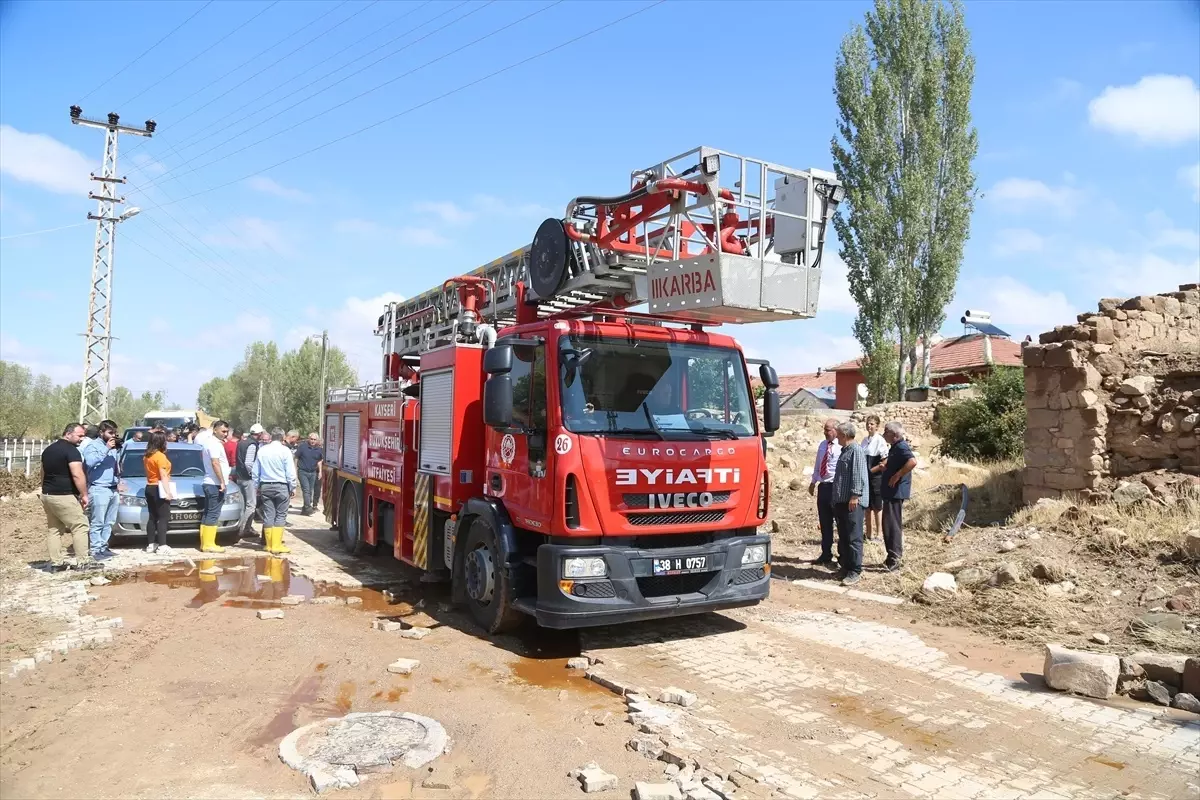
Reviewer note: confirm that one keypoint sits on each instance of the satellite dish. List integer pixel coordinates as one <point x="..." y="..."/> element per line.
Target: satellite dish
<point x="862" y="391"/>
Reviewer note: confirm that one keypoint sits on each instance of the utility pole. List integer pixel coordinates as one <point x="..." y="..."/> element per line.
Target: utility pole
<point x="258" y="413"/>
<point x="324" y="361"/>
<point x="93" y="395"/>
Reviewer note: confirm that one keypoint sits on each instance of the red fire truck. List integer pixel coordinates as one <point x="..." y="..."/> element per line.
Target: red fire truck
<point x="553" y="451"/>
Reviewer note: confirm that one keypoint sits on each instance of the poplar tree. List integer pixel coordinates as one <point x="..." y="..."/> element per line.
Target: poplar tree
<point x="903" y="150"/>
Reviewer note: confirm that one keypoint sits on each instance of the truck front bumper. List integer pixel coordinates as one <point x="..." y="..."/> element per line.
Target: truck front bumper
<point x="632" y="591"/>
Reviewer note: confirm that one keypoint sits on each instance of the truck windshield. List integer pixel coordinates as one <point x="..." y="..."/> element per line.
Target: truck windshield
<point x="664" y="390"/>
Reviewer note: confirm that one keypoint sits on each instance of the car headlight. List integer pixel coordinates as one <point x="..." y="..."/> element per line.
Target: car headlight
<point x="754" y="554"/>
<point x="132" y="500"/>
<point x="584" y="568"/>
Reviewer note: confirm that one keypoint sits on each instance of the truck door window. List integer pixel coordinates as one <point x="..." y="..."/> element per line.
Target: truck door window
<point x="529" y="388"/>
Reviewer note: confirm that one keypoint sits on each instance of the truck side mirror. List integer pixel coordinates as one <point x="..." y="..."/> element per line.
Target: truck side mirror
<point x="498" y="398"/>
<point x="498" y="360"/>
<point x="770" y="380"/>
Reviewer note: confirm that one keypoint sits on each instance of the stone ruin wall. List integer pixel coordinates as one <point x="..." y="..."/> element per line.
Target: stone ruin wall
<point x="1114" y="395"/>
<point x="917" y="417"/>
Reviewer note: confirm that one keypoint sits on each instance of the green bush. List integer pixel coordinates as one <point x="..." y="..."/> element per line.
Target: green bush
<point x="990" y="427"/>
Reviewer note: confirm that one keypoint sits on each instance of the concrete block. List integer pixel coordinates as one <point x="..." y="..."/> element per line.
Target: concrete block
<point x="270" y="613"/>
<point x="389" y="625"/>
<point x="415" y="633"/>
<point x="403" y="666"/>
<point x="656" y="791"/>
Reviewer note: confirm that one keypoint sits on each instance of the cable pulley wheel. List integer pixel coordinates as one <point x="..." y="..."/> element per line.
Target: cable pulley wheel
<point x="548" y="258"/>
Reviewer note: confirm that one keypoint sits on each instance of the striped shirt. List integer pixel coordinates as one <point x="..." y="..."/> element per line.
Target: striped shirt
<point x="850" y="479"/>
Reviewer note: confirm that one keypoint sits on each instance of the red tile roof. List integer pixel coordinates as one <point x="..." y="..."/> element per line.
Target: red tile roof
<point x="790" y="384"/>
<point x="960" y="354"/>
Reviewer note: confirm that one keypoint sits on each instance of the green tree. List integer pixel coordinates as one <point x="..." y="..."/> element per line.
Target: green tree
<point x="990" y="427"/>
<point x="300" y="372"/>
<point x="903" y="151"/>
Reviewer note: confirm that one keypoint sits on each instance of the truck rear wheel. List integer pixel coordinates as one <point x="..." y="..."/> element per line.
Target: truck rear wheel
<point x="350" y="524"/>
<point x="489" y="589"/>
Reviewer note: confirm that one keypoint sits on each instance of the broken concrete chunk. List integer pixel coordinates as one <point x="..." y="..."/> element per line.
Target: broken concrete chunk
<point x="340" y="778"/>
<point x="594" y="779"/>
<point x="403" y="666"/>
<point x="673" y="756"/>
<point x="1088" y="674"/>
<point x="325" y="601"/>
<point x="677" y="697"/>
<point x="656" y="791"/>
<point x="939" y="584"/>
<point x="1137" y="385"/>
<point x="389" y="625"/>
<point x="578" y="663"/>
<point x="1101" y="638"/>
<point x="414" y="633"/>
<point x="647" y="746"/>
<point x="1165" y="667"/>
<point x="270" y="613"/>
<point x="291" y="600"/>
<point x="99" y="580"/>
<point x="211" y="571"/>
<point x="354" y="601"/>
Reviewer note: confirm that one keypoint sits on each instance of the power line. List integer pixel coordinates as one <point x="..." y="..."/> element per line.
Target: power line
<point x="145" y="52"/>
<point x="432" y="100"/>
<point x="203" y="51"/>
<point x="46" y="230"/>
<point x="252" y="58"/>
<point x="358" y="96"/>
<point x="198" y="134"/>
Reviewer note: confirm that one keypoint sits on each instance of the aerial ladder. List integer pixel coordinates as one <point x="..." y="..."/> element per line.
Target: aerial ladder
<point x="705" y="237"/>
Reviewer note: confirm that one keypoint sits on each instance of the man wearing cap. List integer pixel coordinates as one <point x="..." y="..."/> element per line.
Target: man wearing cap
<point x="247" y="452"/>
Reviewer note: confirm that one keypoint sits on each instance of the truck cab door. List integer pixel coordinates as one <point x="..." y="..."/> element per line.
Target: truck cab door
<point x="522" y="463"/>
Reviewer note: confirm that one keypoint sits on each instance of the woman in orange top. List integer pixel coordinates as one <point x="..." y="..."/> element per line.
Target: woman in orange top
<point x="158" y="492"/>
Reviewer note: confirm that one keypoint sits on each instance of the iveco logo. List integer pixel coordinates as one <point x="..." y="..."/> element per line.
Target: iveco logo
<point x="680" y="500"/>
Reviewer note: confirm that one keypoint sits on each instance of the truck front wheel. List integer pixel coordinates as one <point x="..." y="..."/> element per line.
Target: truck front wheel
<point x="488" y="585"/>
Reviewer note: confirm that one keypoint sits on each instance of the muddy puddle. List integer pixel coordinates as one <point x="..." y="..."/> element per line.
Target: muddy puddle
<point x="262" y="582"/>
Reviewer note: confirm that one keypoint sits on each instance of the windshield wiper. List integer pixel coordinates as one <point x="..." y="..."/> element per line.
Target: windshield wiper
<point x="650" y="419"/>
<point x="625" y="432"/>
<point x="720" y="433"/>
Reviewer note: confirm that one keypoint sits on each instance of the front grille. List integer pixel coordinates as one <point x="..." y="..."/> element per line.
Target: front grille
<point x="599" y="589"/>
<point x="672" y="540"/>
<point x="744" y="576"/>
<point x="663" y="585"/>
<point x="183" y="525"/>
<point x="643" y="500"/>
<point x="676" y="517"/>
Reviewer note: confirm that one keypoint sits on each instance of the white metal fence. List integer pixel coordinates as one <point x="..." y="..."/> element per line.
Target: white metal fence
<point x="22" y="456"/>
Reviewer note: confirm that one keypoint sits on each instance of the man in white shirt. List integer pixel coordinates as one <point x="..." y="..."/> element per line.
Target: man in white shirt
<point x="822" y="487"/>
<point x="275" y="474"/>
<point x="216" y="478"/>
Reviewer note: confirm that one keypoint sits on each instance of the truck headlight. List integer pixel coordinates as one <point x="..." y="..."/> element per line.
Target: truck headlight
<point x="754" y="554"/>
<point x="584" y="568"/>
<point x="132" y="500"/>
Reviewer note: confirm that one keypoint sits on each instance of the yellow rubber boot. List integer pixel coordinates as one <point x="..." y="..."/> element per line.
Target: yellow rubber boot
<point x="279" y="548"/>
<point x="208" y="540"/>
<point x="269" y="539"/>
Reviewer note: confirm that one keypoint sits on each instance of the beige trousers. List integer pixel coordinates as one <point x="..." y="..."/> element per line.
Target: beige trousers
<point x="64" y="516"/>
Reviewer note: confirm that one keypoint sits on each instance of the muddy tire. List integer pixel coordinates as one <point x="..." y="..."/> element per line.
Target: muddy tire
<point x="488" y="586"/>
<point x="350" y="528"/>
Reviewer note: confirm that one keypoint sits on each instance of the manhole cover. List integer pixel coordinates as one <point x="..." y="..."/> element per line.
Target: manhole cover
<point x="332" y="752"/>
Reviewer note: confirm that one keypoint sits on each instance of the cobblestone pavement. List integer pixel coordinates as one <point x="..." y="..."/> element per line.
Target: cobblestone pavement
<point x="825" y="705"/>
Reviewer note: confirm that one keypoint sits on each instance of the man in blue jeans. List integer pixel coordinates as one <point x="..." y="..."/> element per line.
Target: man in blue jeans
<point x="104" y="488"/>
<point x="309" y="457"/>
<point x="216" y="478"/>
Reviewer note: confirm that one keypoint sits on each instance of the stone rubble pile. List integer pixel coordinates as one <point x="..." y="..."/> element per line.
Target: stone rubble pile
<point x="46" y="595"/>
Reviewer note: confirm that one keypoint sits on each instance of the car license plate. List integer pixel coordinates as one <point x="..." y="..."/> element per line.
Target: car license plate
<point x="679" y="565"/>
<point x="185" y="516"/>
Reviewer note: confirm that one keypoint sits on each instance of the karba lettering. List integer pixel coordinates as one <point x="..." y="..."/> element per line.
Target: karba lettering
<point x="694" y="282"/>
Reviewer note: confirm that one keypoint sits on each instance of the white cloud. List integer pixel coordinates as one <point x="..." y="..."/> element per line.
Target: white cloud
<point x="1013" y="241"/>
<point x="794" y="347"/>
<point x="252" y="326"/>
<point x="37" y="362"/>
<point x="448" y="212"/>
<point x="251" y="233"/>
<point x="1116" y="274"/>
<point x="43" y="161"/>
<point x="835" y="286"/>
<point x="1018" y="195"/>
<point x="1016" y="307"/>
<point x="1158" y="109"/>
<point x="407" y="234"/>
<point x="498" y="207"/>
<point x="261" y="183"/>
<point x="351" y="328"/>
<point x="1190" y="176"/>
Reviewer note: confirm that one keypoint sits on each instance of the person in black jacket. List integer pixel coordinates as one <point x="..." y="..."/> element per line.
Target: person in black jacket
<point x="247" y="451"/>
<point x="897" y="486"/>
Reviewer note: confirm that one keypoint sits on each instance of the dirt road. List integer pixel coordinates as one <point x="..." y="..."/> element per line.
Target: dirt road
<point x="189" y="694"/>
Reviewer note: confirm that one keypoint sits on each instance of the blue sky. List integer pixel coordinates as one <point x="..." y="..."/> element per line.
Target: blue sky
<point x="1089" y="162"/>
